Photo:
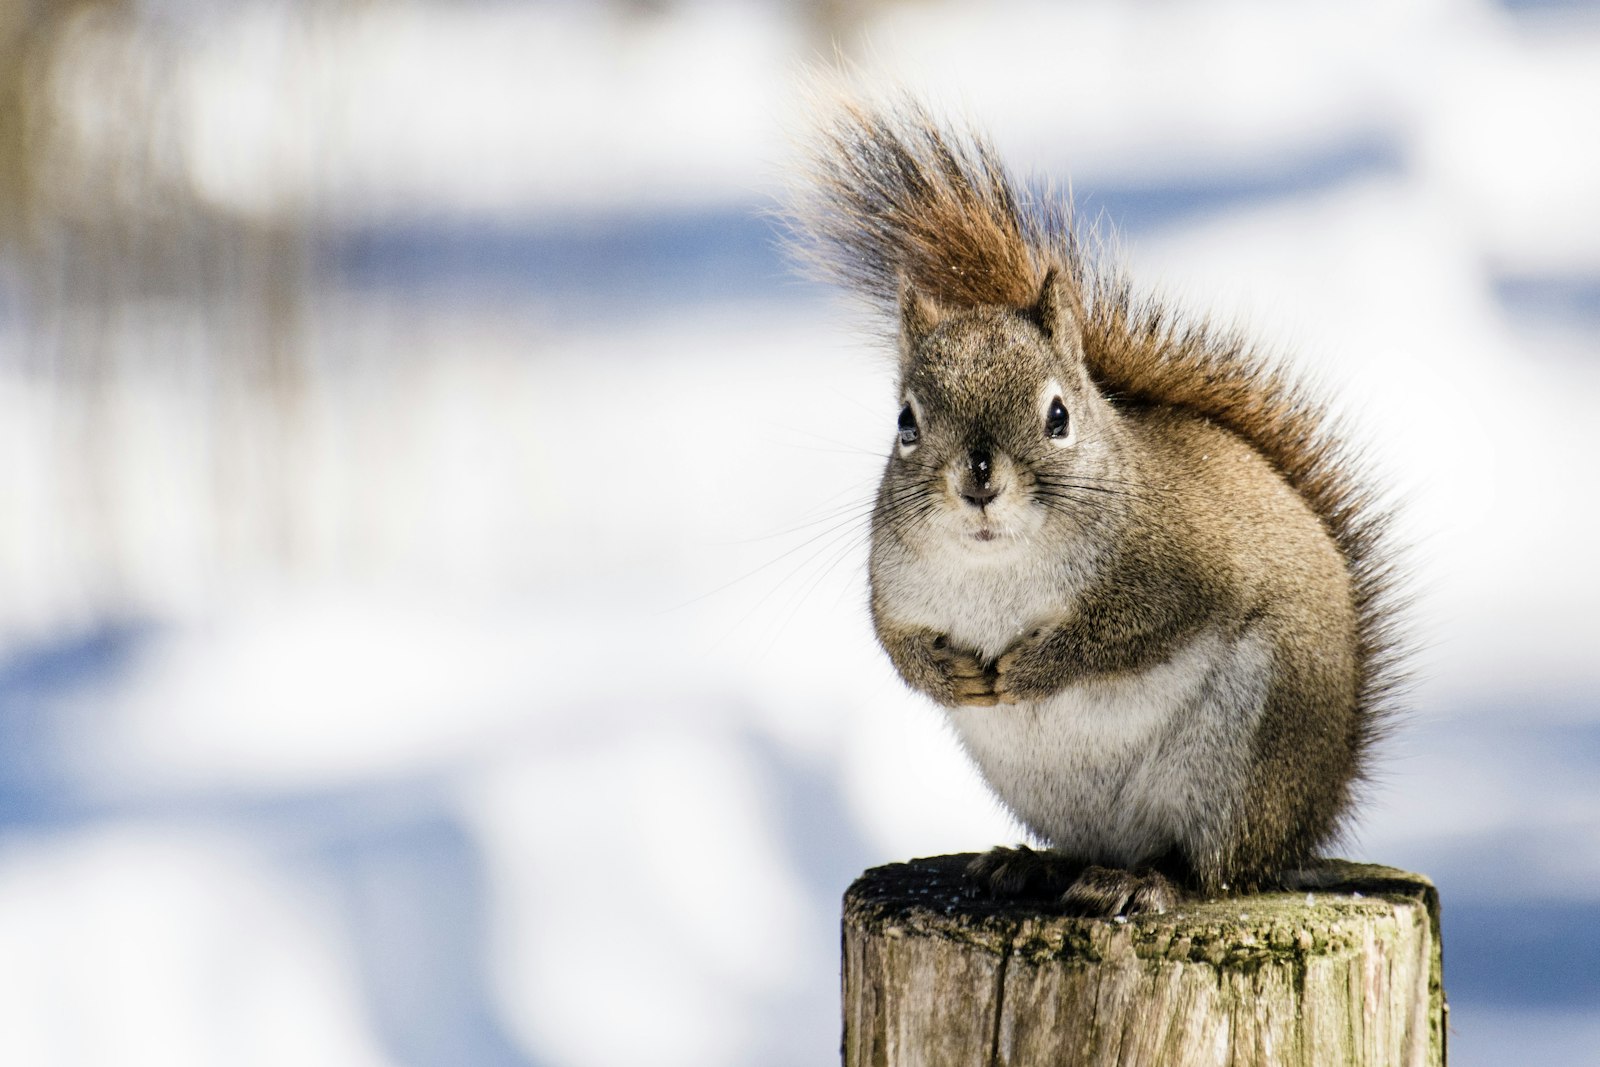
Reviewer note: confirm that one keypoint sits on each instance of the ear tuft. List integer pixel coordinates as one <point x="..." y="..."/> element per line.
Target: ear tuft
<point x="918" y="316"/>
<point x="1055" y="310"/>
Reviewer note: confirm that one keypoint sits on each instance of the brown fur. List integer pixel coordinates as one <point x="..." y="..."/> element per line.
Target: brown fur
<point x="898" y="203"/>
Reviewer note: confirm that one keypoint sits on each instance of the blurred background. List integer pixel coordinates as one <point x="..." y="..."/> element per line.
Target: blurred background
<point x="432" y="618"/>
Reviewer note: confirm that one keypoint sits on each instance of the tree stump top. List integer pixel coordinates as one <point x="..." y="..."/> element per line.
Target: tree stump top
<point x="1345" y="970"/>
<point x="931" y="897"/>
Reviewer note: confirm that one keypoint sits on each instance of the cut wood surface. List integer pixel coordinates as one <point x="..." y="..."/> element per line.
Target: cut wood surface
<point x="1344" y="972"/>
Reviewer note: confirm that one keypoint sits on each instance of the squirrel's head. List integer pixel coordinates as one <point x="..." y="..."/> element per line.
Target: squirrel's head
<point x="1002" y="433"/>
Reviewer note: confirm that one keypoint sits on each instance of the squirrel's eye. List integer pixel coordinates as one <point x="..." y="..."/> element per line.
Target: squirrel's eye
<point x="908" y="427"/>
<point x="1055" y="420"/>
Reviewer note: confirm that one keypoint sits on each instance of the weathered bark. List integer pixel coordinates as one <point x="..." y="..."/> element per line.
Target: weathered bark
<point x="1348" y="973"/>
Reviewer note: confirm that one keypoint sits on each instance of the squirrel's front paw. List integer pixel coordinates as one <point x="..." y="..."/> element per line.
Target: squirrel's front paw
<point x="1030" y="670"/>
<point x="930" y="663"/>
<point x="969" y="680"/>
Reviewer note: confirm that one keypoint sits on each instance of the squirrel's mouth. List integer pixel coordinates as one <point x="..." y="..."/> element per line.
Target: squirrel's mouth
<point x="986" y="534"/>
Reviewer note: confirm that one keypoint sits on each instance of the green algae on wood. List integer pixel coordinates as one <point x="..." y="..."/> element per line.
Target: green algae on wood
<point x="1346" y="972"/>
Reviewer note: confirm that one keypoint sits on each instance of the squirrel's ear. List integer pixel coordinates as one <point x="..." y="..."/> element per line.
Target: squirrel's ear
<point x="1056" y="310"/>
<point x="918" y="316"/>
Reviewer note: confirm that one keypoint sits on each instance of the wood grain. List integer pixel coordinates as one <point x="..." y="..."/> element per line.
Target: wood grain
<point x="1345" y="971"/>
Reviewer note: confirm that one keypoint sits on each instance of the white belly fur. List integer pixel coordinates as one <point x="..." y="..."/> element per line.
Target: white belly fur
<point x="986" y="606"/>
<point x="1118" y="770"/>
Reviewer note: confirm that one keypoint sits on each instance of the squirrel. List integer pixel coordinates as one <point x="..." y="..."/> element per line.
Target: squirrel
<point x="1135" y="562"/>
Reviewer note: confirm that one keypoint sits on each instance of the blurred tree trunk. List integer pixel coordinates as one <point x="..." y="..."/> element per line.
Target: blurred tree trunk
<point x="127" y="282"/>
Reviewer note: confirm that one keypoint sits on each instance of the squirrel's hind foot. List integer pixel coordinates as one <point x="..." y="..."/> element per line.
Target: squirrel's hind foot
<point x="1087" y="892"/>
<point x="1105" y="893"/>
<point x="1023" y="872"/>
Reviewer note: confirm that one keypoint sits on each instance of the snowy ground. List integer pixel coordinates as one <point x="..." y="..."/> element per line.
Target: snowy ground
<point x="566" y="699"/>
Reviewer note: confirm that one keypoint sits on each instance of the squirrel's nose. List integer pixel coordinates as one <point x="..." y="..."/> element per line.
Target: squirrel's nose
<point x="978" y="491"/>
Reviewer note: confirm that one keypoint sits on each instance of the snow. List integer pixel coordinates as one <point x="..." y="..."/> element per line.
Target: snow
<point x="521" y="675"/>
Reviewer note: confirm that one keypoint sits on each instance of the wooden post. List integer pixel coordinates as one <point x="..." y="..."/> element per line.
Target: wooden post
<point x="1346" y="974"/>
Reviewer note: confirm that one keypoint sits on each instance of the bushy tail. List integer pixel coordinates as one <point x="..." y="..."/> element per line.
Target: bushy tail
<point x="892" y="197"/>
